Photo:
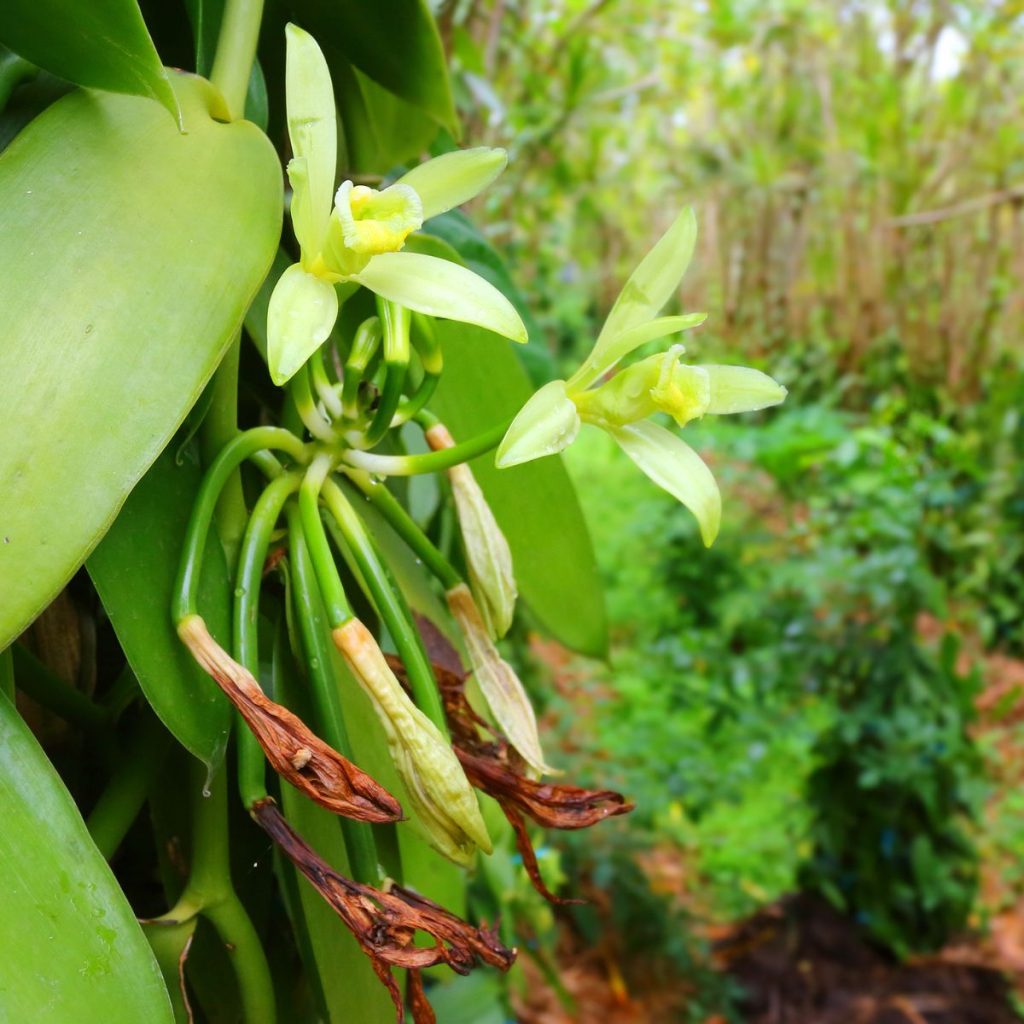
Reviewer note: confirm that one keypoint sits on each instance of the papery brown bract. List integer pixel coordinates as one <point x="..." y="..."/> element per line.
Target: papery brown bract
<point x="385" y="923"/>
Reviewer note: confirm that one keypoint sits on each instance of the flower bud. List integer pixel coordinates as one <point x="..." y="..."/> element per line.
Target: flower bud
<point x="488" y="557"/>
<point x="501" y="687"/>
<point x="444" y="802"/>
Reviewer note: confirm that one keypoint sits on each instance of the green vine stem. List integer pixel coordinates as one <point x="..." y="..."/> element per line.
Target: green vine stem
<point x="389" y="602"/>
<point x="239" y="448"/>
<point x="219" y="426"/>
<point x="38" y="682"/>
<point x="119" y="804"/>
<point x="359" y="840"/>
<point x="170" y="944"/>
<point x="252" y="775"/>
<point x="302" y="396"/>
<point x="326" y="390"/>
<point x="429" y="462"/>
<point x="428" y="348"/>
<point x="210" y="892"/>
<point x="236" y="52"/>
<point x="406" y="527"/>
<point x="395" y="322"/>
<point x="365" y="345"/>
<point x="331" y="589"/>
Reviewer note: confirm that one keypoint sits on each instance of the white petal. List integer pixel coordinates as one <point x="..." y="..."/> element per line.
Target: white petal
<point x="741" y="389"/>
<point x="653" y="282"/>
<point x="547" y="423"/>
<point x="312" y="126"/>
<point x="436" y="287"/>
<point x="675" y="466"/>
<point x="611" y="348"/>
<point x="452" y="179"/>
<point x="300" y="317"/>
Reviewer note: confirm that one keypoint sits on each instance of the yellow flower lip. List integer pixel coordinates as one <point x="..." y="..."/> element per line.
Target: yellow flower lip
<point x="374" y="222"/>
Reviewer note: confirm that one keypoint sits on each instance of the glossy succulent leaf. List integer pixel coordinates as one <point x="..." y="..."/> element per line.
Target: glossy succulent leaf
<point x="551" y="550"/>
<point x="394" y="42"/>
<point x="481" y="257"/>
<point x="130" y="255"/>
<point x="73" y="950"/>
<point x="134" y="569"/>
<point x="28" y="101"/>
<point x="103" y="44"/>
<point x="380" y="130"/>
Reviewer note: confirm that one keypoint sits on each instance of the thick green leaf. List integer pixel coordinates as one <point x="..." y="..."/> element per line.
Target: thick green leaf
<point x="130" y="255"/>
<point x="28" y="101"/>
<point x="535" y="503"/>
<point x="73" y="950"/>
<point x="380" y="130"/>
<point x="394" y="42"/>
<point x="102" y="44"/>
<point x="134" y="569"/>
<point x="480" y="256"/>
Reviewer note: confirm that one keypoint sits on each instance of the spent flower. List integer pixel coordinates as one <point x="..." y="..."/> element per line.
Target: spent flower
<point x="551" y="419"/>
<point x="357" y="236"/>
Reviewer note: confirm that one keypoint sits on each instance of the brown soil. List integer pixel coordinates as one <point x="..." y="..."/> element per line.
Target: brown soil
<point x="801" y="962"/>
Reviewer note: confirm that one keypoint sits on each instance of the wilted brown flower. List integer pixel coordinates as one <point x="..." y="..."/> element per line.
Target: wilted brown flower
<point x="422" y="1011"/>
<point x="293" y="751"/>
<point x="385" y="923"/>
<point x="493" y="766"/>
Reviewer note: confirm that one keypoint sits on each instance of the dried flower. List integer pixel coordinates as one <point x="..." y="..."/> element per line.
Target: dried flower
<point x="385" y="922"/>
<point x="491" y="766"/>
<point x="293" y="751"/>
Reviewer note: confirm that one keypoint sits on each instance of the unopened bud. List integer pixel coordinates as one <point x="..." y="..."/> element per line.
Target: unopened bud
<point x="488" y="557"/>
<point x="501" y="687"/>
<point x="441" y="795"/>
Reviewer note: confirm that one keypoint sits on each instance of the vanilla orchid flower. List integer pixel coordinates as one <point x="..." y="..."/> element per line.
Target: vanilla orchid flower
<point x="551" y="419"/>
<point x="356" y="234"/>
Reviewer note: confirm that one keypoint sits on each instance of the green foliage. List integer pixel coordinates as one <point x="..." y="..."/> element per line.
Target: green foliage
<point x="897" y="783"/>
<point x="133" y="569"/>
<point x="103" y="46"/>
<point x="136" y="328"/>
<point x="75" y="948"/>
<point x="856" y="166"/>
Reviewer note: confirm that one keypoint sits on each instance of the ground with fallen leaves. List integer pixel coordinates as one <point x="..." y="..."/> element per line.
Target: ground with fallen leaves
<point x="799" y="961"/>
